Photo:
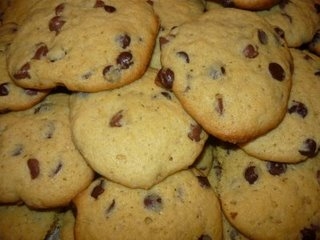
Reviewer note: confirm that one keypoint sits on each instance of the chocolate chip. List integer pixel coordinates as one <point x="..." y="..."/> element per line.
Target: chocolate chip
<point x="59" y="9"/>
<point x="111" y="73"/>
<point x="57" y="169"/>
<point x="97" y="190"/>
<point x="184" y="56"/>
<point x="33" y="165"/>
<point x="162" y="41"/>
<point x="309" y="148"/>
<point x="23" y="72"/>
<point x="165" y="78"/>
<point x="299" y="108"/>
<point x="110" y="208"/>
<point x="219" y="108"/>
<point x="308" y="234"/>
<point x="251" y="174"/>
<point x="277" y="71"/>
<point x="195" y="132"/>
<point x="124" y="40"/>
<point x="4" y="89"/>
<point x="153" y="202"/>
<point x="56" y="23"/>
<point x="167" y="95"/>
<point x="317" y="73"/>
<point x="204" y="182"/>
<point x="250" y="51"/>
<point x="276" y="168"/>
<point x="99" y="4"/>
<point x="43" y="107"/>
<point x="41" y="51"/>
<point x="125" y="60"/>
<point x="280" y="33"/>
<point x="262" y="36"/>
<point x="116" y="119"/>
<point x="109" y="9"/>
<point x="204" y="237"/>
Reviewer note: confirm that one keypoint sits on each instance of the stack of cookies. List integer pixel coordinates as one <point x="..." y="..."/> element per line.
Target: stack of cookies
<point x="158" y="119"/>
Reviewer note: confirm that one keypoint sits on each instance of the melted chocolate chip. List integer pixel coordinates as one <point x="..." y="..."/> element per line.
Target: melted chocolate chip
<point x="97" y="190"/>
<point x="250" y="51"/>
<point x="116" y="119"/>
<point x="23" y="72"/>
<point x="56" y="23"/>
<point x="124" y="41"/>
<point x="309" y="148"/>
<point x="184" y="56"/>
<point x="298" y="108"/>
<point x="59" y="9"/>
<point x="34" y="169"/>
<point x="195" y="132"/>
<point x="275" y="168"/>
<point x="153" y="202"/>
<point x="204" y="237"/>
<point x="41" y="51"/>
<point x="4" y="89"/>
<point x="308" y="234"/>
<point x="277" y="71"/>
<point x="251" y="174"/>
<point x="109" y="9"/>
<point x="263" y="37"/>
<point x="204" y="182"/>
<point x="125" y="60"/>
<point x="165" y="78"/>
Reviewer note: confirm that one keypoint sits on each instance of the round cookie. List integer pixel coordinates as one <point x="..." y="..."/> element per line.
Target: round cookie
<point x="84" y="45"/>
<point x="13" y="97"/>
<point x="172" y="14"/>
<point x="297" y="20"/>
<point x="231" y="72"/>
<point x="267" y="196"/>
<point x="136" y="135"/>
<point x="21" y="222"/>
<point x="253" y="5"/>
<point x="183" y="206"/>
<point x="298" y="136"/>
<point x="39" y="164"/>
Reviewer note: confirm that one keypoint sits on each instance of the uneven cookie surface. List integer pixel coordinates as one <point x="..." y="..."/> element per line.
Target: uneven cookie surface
<point x="140" y="133"/>
<point x="266" y="195"/>
<point x="39" y="164"/>
<point x="111" y="48"/>
<point x="183" y="206"/>
<point x="231" y="72"/>
<point x="298" y="136"/>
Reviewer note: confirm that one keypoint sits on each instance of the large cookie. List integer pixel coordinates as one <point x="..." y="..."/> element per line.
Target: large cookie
<point x="136" y="135"/>
<point x="84" y="45"/>
<point x="231" y="72"/>
<point x="21" y="222"/>
<point x="183" y="206"/>
<point x="172" y="14"/>
<point x="13" y="97"/>
<point x="39" y="163"/>
<point x="269" y="200"/>
<point x="298" y="136"/>
<point x="297" y="20"/>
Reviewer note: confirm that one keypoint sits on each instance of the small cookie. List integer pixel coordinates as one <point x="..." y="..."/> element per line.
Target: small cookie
<point x="21" y="222"/>
<point x="222" y="67"/>
<point x="136" y="135"/>
<point x="253" y="5"/>
<point x="172" y="14"/>
<point x="84" y="45"/>
<point x="298" y="136"/>
<point x="39" y="163"/>
<point x="183" y="206"/>
<point x="297" y="20"/>
<point x="13" y="97"/>
<point x="281" y="200"/>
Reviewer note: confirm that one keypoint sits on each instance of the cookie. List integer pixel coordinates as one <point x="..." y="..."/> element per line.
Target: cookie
<point x="136" y="135"/>
<point x="172" y="14"/>
<point x="21" y="222"/>
<point x="297" y="20"/>
<point x="110" y="49"/>
<point x="266" y="195"/>
<point x="230" y="71"/>
<point x="253" y="5"/>
<point x="298" y="136"/>
<point x="39" y="164"/>
<point x="183" y="206"/>
<point x="13" y="97"/>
